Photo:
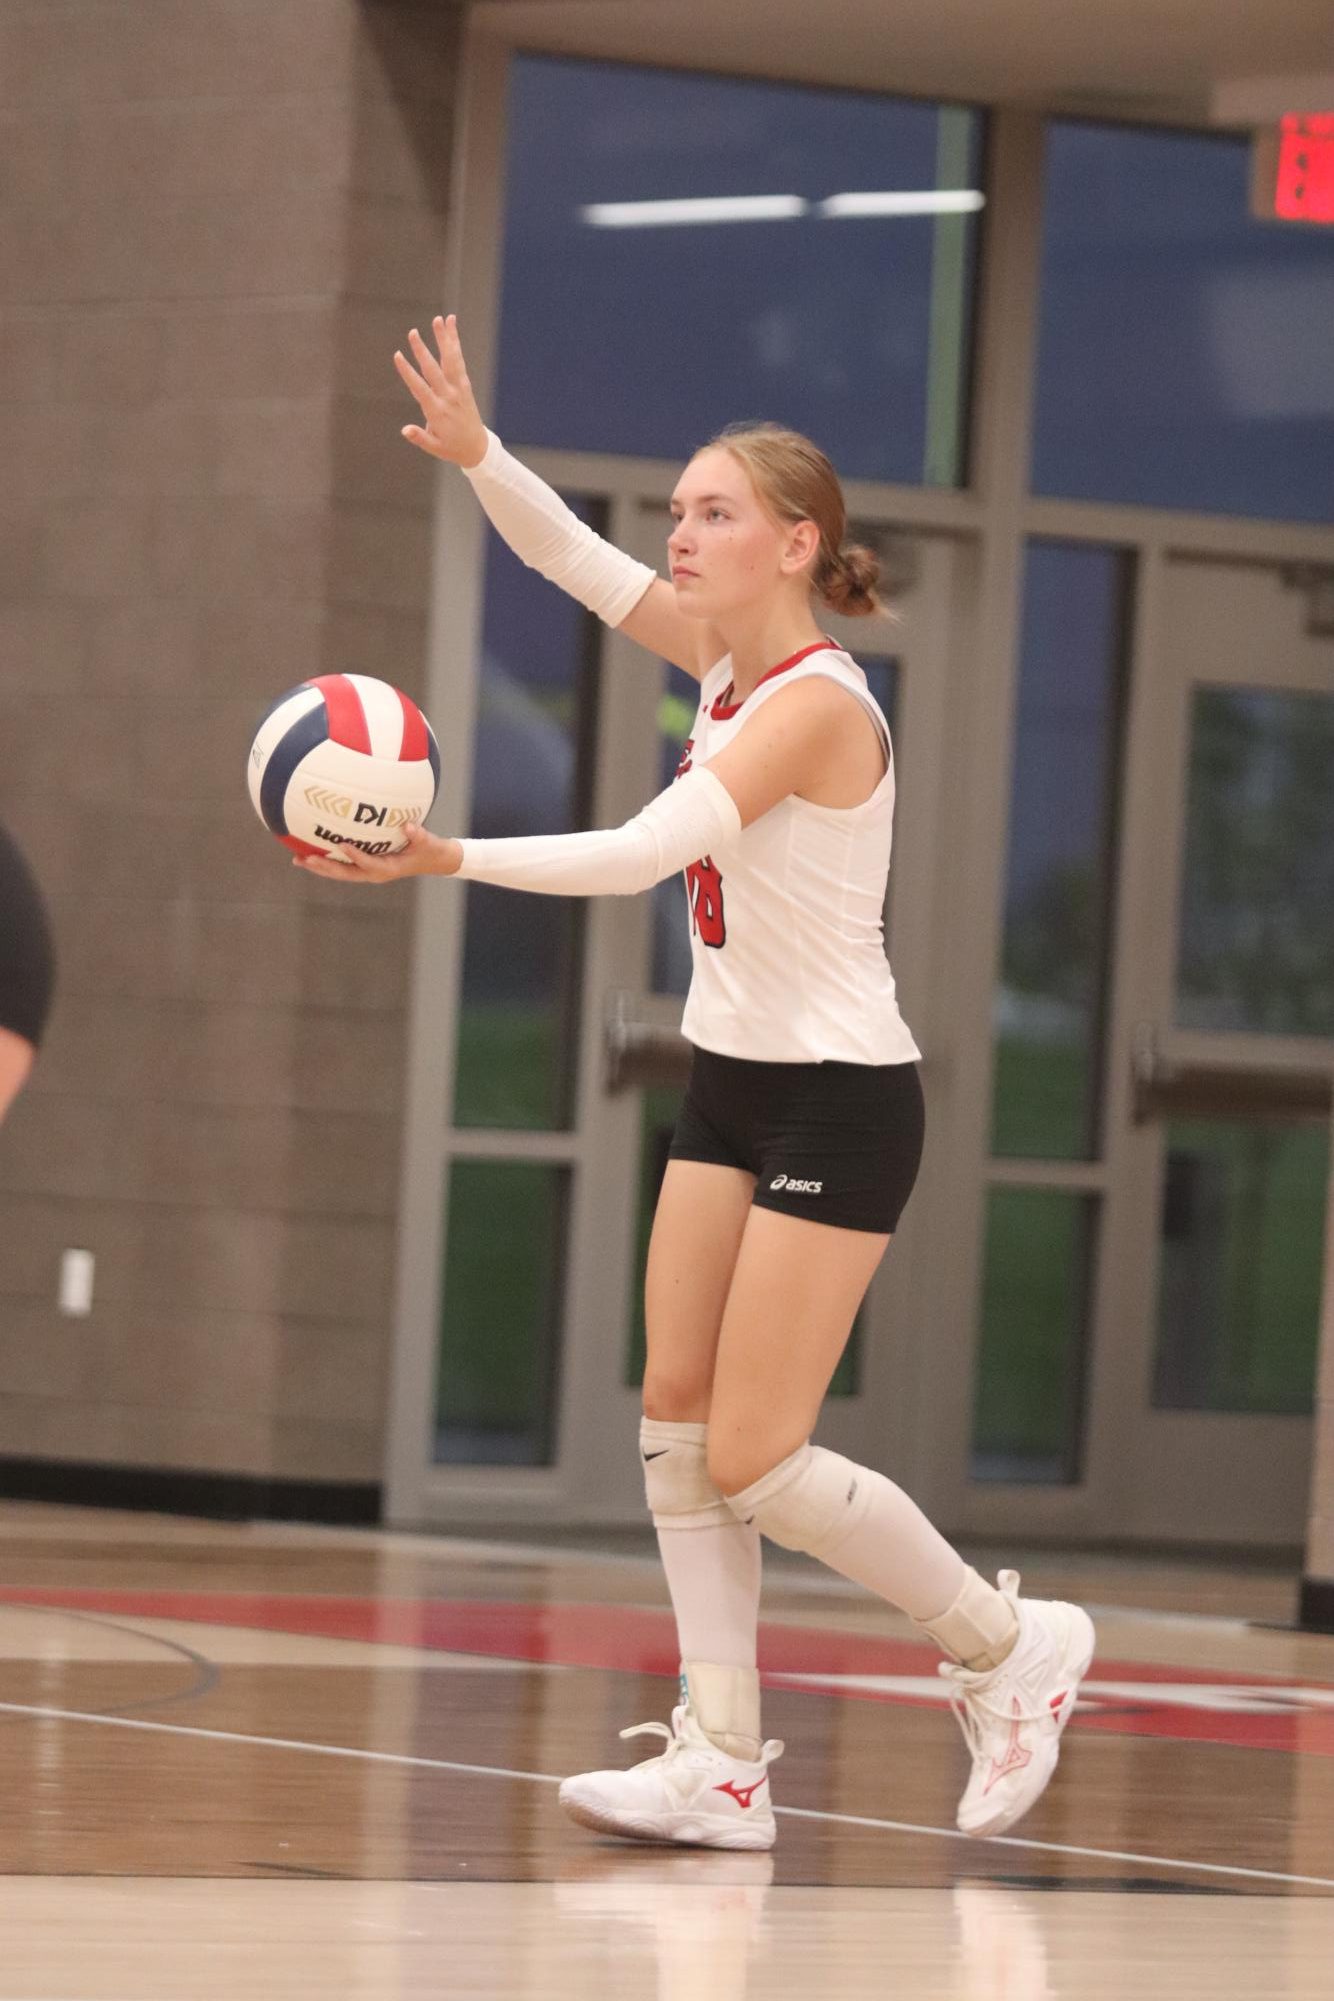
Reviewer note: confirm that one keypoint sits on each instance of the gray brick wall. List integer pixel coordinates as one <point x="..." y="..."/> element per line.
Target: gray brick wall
<point x="217" y="220"/>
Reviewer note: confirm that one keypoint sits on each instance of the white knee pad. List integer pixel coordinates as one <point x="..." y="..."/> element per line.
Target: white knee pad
<point x="676" y="1476"/>
<point x="809" y="1501"/>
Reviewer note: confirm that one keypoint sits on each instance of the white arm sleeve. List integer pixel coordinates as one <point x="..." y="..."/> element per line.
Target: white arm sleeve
<point x="694" y="817"/>
<point x="546" y="535"/>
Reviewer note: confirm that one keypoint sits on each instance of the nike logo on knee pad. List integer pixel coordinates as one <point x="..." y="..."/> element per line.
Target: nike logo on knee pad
<point x="657" y="1455"/>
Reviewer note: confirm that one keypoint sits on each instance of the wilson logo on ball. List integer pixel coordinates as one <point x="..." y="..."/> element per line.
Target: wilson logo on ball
<point x="348" y="841"/>
<point x="342" y="747"/>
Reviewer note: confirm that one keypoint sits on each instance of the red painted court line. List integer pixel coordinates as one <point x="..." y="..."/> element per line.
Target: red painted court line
<point x="637" y="1641"/>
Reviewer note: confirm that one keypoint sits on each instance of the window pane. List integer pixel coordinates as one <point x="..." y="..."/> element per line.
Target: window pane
<point x="1240" y="1269"/>
<point x="1048" y="1015"/>
<point x="1184" y="345"/>
<point x="518" y="1018"/>
<point x="1028" y="1414"/>
<point x="501" y="1315"/>
<point x="1256" y="945"/>
<point x="855" y="328"/>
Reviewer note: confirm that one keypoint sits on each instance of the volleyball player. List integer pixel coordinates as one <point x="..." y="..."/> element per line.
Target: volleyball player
<point x="27" y="969"/>
<point x="801" y="1132"/>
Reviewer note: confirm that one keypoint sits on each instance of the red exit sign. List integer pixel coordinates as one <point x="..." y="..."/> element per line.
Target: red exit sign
<point x="1293" y="176"/>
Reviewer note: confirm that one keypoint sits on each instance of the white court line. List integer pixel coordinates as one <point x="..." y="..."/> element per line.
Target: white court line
<point x="547" y="1779"/>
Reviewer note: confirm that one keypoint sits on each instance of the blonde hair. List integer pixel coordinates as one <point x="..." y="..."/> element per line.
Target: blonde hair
<point x="796" y="482"/>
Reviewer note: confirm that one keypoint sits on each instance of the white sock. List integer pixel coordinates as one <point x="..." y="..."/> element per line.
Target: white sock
<point x="712" y="1568"/>
<point x="713" y="1576"/>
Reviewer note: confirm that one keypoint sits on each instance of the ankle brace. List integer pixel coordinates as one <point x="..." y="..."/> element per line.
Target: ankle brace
<point x="725" y="1702"/>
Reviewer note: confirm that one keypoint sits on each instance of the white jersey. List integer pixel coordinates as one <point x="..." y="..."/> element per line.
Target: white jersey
<point x="787" y="938"/>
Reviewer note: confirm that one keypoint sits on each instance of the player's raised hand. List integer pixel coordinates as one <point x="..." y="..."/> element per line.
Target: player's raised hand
<point x="425" y="854"/>
<point x="452" y="428"/>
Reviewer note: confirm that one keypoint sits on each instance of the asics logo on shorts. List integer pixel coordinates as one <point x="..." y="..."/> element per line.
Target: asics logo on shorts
<point x="794" y="1187"/>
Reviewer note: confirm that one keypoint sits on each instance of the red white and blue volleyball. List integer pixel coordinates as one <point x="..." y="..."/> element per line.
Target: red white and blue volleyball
<point x="343" y="760"/>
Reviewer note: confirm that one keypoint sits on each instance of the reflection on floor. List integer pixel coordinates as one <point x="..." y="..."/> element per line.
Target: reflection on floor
<point x="269" y="1759"/>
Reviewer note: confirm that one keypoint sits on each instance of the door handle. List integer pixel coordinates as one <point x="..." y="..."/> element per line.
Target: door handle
<point x="1162" y="1087"/>
<point x="642" y="1044"/>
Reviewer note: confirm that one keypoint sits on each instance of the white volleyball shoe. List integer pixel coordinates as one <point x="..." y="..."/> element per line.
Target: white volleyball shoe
<point x="1012" y="1716"/>
<point x="692" y="1793"/>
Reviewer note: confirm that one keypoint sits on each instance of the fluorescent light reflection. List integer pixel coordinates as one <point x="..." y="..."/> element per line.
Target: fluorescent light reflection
<point x="711" y="208"/>
<point x="961" y="201"/>
<point x="778" y="208"/>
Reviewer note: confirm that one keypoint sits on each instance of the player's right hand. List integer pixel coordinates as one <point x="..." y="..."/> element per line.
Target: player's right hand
<point x="422" y="854"/>
<point x="452" y="429"/>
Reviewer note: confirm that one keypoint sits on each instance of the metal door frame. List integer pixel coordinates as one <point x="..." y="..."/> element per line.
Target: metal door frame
<point x="1117" y="1499"/>
<point x="1190" y="1475"/>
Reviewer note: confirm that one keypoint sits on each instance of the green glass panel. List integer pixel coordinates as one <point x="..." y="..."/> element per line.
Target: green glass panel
<point x="1029" y="1384"/>
<point x="1256" y="951"/>
<point x="508" y="1068"/>
<point x="501" y="1315"/>
<point x="1240" y="1267"/>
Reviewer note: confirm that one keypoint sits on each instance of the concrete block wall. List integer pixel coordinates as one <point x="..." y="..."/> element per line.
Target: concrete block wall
<point x="217" y="220"/>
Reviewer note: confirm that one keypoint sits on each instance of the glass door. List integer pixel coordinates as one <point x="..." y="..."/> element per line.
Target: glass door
<point x="1210" y="1274"/>
<point x="638" y="969"/>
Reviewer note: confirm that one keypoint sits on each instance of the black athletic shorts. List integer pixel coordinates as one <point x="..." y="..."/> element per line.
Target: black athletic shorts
<point x="27" y="955"/>
<point x="838" y="1142"/>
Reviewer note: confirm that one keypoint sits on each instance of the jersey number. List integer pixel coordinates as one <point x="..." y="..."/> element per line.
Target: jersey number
<point x="704" y="886"/>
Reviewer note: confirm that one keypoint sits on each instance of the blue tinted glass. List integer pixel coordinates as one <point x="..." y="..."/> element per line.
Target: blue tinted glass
<point x="646" y="340"/>
<point x="1048" y="1009"/>
<point x="1184" y="356"/>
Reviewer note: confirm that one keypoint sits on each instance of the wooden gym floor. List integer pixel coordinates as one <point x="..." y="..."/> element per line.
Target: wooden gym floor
<point x="268" y="1761"/>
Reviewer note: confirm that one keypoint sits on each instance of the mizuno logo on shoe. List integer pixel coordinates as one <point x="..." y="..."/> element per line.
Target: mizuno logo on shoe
<point x="743" y="1795"/>
<point x="1015" y="1755"/>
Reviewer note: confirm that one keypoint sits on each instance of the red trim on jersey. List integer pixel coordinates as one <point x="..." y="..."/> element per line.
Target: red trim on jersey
<point x="413" y="747"/>
<point x="347" y="718"/>
<point x="722" y="713"/>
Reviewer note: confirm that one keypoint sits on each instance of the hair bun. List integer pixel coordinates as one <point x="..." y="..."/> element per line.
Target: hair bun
<point x="850" y="586"/>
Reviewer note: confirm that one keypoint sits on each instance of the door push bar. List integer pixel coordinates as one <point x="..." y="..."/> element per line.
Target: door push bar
<point x="643" y="1043"/>
<point x="1163" y="1088"/>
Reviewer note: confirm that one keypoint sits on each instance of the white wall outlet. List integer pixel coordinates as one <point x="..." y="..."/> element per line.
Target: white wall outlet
<point x="76" y="1282"/>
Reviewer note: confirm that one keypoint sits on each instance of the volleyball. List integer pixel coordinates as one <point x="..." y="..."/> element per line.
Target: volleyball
<point x="343" y="760"/>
